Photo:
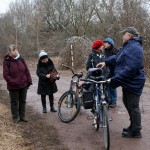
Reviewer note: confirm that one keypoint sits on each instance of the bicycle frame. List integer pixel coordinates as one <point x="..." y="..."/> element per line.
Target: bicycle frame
<point x="100" y="109"/>
<point x="69" y="103"/>
<point x="99" y="97"/>
<point x="74" y="82"/>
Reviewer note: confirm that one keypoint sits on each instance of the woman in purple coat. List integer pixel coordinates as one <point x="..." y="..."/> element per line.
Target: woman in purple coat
<point x="18" y="78"/>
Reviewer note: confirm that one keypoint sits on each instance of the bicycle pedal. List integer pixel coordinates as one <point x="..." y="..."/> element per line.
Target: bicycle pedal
<point x="90" y="117"/>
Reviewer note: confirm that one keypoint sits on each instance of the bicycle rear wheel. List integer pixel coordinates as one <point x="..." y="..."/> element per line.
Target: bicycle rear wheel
<point x="68" y="106"/>
<point x="105" y="126"/>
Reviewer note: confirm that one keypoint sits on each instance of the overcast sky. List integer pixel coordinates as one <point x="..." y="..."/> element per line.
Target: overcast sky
<point x="4" y="5"/>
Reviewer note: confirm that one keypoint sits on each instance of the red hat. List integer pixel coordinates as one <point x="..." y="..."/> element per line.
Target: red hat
<point x="97" y="44"/>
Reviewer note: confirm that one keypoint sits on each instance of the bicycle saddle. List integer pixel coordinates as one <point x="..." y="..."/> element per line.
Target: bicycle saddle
<point x="95" y="71"/>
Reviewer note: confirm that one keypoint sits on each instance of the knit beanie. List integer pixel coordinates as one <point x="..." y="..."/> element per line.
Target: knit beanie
<point x="97" y="44"/>
<point x="43" y="55"/>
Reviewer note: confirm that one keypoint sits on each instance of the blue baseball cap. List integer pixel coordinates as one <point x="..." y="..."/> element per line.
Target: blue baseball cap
<point x="110" y="41"/>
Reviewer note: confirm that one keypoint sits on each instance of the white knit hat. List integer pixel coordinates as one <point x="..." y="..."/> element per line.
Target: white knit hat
<point x="43" y="54"/>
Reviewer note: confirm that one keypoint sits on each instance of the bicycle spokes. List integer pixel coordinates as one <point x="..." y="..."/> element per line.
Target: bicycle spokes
<point x="69" y="106"/>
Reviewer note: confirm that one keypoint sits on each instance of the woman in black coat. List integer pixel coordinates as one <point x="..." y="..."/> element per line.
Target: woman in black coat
<point x="45" y="86"/>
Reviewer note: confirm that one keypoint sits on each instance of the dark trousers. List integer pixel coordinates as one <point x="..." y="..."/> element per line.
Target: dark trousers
<point x="18" y="102"/>
<point x="112" y="95"/>
<point x="131" y="102"/>
<point x="51" y="100"/>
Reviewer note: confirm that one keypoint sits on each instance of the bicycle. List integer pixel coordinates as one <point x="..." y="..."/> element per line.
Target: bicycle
<point x="69" y="102"/>
<point x="100" y="106"/>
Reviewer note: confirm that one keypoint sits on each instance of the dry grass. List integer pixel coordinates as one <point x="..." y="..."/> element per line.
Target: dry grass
<point x="34" y="135"/>
<point x="147" y="82"/>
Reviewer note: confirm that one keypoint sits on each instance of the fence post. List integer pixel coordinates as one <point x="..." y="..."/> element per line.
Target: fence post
<point x="72" y="60"/>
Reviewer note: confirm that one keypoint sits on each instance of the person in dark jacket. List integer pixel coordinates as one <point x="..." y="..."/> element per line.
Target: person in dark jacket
<point x="96" y="56"/>
<point x="129" y="73"/>
<point x="45" y="87"/>
<point x="18" y="78"/>
<point x="109" y="51"/>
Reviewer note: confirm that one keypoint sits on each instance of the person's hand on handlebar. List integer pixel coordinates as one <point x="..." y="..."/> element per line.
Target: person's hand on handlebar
<point x="101" y="64"/>
<point x="109" y="80"/>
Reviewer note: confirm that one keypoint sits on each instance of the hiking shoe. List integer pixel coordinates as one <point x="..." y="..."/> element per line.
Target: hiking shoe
<point x="132" y="134"/>
<point x="44" y="110"/>
<point x="23" y="120"/>
<point x="112" y="105"/>
<point x="127" y="129"/>
<point x="53" y="109"/>
<point x="16" y="120"/>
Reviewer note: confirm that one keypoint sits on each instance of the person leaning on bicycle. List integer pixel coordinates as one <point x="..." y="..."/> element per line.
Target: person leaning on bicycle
<point x="129" y="73"/>
<point x="96" y="56"/>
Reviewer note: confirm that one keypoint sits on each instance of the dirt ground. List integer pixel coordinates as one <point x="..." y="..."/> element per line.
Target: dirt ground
<point x="33" y="135"/>
<point x="47" y="132"/>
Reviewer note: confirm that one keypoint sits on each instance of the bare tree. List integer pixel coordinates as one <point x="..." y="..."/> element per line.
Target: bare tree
<point x="40" y="23"/>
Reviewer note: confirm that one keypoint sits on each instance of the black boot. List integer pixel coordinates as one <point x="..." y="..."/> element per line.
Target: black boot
<point x="44" y="110"/>
<point x="53" y="109"/>
<point x="23" y="120"/>
<point x="16" y="120"/>
<point x="51" y="101"/>
<point x="127" y="129"/>
<point x="43" y="100"/>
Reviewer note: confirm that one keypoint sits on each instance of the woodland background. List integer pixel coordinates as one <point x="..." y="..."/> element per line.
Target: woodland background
<point x="48" y="24"/>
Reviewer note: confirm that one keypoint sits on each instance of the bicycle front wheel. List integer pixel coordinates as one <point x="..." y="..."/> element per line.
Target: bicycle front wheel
<point x="105" y="126"/>
<point x="68" y="106"/>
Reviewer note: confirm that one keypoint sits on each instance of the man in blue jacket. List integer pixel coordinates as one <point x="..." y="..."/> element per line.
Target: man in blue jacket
<point x="129" y="73"/>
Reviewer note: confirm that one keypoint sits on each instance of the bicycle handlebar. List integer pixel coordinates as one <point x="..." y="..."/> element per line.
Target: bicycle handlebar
<point x="97" y="82"/>
<point x="97" y="78"/>
<point x="68" y="68"/>
<point x="79" y="75"/>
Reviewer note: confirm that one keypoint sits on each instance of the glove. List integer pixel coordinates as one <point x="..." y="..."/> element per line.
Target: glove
<point x="58" y="76"/>
<point x="29" y="83"/>
<point x="108" y="80"/>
